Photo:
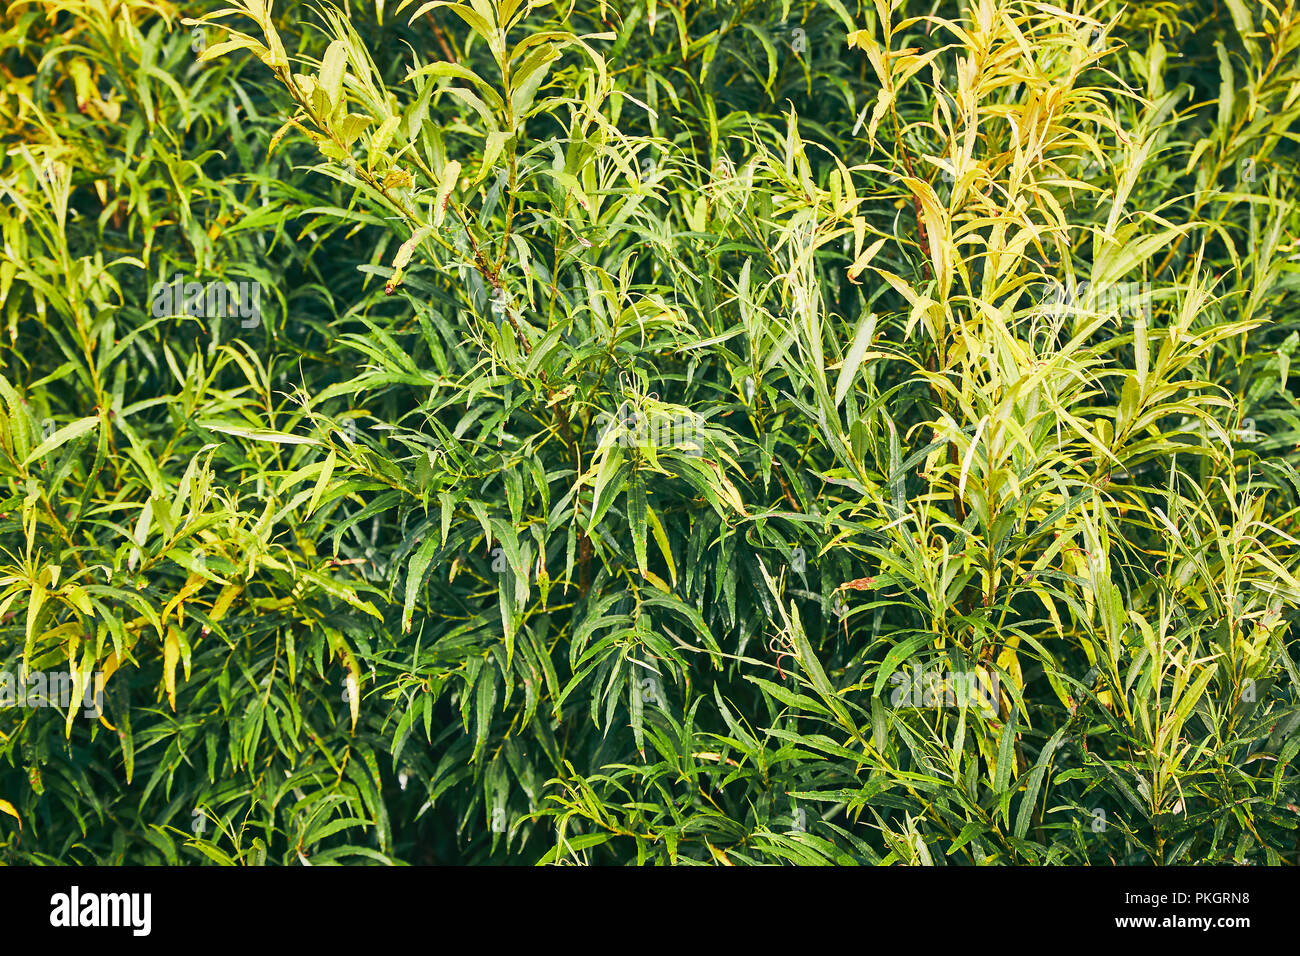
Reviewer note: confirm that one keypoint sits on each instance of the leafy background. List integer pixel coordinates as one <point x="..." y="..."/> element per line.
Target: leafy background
<point x="386" y="578"/>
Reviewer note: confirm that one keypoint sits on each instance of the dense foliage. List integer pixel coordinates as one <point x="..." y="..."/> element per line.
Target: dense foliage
<point x="673" y="431"/>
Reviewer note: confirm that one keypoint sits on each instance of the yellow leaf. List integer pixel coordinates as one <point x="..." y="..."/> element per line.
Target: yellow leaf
<point x="224" y="601"/>
<point x="864" y="260"/>
<point x="446" y="183"/>
<point x="404" y="253"/>
<point x="657" y="581"/>
<point x="352" y="681"/>
<point x="194" y="583"/>
<point x="1010" y="662"/>
<point x="354" y="688"/>
<point x="322" y="482"/>
<point x="239" y="42"/>
<point x="171" y="655"/>
<point x="110" y="666"/>
<point x="7" y="807"/>
<point x="662" y="540"/>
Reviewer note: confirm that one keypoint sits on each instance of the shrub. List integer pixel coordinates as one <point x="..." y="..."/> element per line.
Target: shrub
<point x="614" y="432"/>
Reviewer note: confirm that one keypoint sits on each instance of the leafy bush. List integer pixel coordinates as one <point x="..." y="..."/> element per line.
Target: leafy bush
<point x="674" y="432"/>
